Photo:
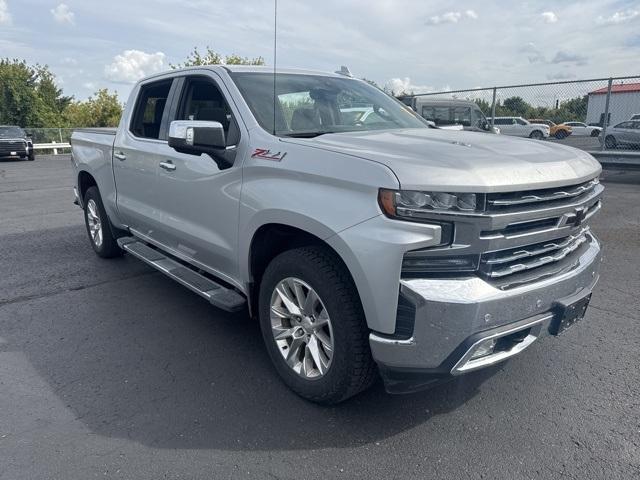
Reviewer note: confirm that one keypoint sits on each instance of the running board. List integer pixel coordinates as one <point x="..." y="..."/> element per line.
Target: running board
<point x="219" y="296"/>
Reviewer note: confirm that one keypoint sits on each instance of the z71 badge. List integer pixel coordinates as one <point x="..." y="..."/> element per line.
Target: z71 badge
<point x="267" y="155"/>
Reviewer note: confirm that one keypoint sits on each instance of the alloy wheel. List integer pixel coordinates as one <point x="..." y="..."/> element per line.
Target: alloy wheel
<point x="95" y="225"/>
<point x="301" y="328"/>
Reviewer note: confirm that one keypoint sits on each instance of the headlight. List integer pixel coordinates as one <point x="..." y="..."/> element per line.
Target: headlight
<point x="414" y="204"/>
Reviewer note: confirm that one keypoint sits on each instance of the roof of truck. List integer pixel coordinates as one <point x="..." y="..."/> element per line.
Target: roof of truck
<point x="246" y="68"/>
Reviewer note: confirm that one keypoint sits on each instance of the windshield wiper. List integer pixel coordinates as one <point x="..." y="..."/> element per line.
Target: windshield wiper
<point x="306" y="134"/>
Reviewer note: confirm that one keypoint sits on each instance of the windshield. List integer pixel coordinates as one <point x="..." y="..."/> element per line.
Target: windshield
<point x="311" y="105"/>
<point x="11" y="132"/>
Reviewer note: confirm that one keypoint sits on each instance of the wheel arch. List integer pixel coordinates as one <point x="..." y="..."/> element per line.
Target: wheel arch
<point x="85" y="181"/>
<point x="271" y="238"/>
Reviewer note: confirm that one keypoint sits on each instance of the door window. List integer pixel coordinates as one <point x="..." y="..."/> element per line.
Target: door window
<point x="149" y="110"/>
<point x="202" y="100"/>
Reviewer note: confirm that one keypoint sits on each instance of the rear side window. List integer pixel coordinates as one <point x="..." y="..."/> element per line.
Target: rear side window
<point x="149" y="109"/>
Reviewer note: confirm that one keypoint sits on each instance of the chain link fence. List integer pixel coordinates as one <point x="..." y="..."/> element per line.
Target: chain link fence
<point x="595" y="115"/>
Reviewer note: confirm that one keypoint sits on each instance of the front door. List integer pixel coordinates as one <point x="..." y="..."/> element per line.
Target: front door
<point x="198" y="201"/>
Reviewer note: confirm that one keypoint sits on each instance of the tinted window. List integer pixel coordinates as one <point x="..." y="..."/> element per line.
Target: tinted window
<point x="462" y="116"/>
<point x="624" y="125"/>
<point x="503" y="121"/>
<point x="202" y="100"/>
<point x="149" y="109"/>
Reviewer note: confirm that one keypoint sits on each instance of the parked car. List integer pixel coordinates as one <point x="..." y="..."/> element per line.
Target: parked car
<point x="580" y="129"/>
<point x="451" y="113"/>
<point x="360" y="247"/>
<point x="14" y="142"/>
<point x="519" y="127"/>
<point x="624" y="134"/>
<point x="559" y="131"/>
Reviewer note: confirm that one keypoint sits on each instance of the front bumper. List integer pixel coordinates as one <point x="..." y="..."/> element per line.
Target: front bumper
<point x="452" y="315"/>
<point x="10" y="149"/>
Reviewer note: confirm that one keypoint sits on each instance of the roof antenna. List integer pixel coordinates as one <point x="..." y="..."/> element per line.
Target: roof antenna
<point x="275" y="58"/>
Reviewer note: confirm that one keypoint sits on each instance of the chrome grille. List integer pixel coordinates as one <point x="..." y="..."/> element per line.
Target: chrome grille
<point x="502" y="201"/>
<point x="518" y="266"/>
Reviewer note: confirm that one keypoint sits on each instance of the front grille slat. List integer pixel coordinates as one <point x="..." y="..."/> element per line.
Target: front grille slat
<point x="539" y="260"/>
<point x="533" y="250"/>
<point x="517" y="199"/>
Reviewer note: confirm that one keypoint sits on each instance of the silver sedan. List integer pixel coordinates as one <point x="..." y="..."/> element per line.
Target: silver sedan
<point x="625" y="134"/>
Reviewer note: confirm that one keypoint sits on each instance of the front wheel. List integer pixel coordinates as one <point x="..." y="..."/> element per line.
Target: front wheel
<point x="536" y="135"/>
<point x="98" y="226"/>
<point x="314" y="327"/>
<point x="595" y="133"/>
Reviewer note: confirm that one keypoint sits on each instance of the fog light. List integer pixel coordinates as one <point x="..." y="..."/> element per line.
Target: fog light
<point x="484" y="348"/>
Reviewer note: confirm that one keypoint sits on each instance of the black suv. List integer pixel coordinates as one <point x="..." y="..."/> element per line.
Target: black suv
<point x="14" y="142"/>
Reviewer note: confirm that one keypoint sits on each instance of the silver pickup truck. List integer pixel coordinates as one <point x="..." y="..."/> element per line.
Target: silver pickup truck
<point x="364" y="246"/>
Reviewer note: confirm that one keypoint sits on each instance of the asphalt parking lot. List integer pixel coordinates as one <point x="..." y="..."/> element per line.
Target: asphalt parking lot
<point x="110" y="370"/>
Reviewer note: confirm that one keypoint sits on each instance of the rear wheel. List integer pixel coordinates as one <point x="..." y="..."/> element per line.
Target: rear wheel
<point x="537" y="135"/>
<point x="314" y="327"/>
<point x="595" y="133"/>
<point x="610" y="142"/>
<point x="99" y="228"/>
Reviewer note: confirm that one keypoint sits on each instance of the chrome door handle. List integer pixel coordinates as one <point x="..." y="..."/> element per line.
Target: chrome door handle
<point x="120" y="156"/>
<point x="168" y="166"/>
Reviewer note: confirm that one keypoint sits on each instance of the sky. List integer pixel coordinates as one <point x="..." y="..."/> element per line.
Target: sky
<point x="419" y="45"/>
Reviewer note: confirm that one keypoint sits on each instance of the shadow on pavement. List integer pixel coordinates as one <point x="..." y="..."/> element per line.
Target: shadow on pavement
<point x="147" y="360"/>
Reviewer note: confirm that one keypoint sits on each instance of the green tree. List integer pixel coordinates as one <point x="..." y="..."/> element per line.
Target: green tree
<point x="516" y="105"/>
<point x="29" y="96"/>
<point x="484" y="106"/>
<point x="210" y="57"/>
<point x="103" y="109"/>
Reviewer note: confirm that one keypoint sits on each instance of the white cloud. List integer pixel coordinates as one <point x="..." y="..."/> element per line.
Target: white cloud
<point x="620" y="17"/>
<point x="471" y="14"/>
<point x="131" y="65"/>
<point x="5" y="16"/>
<point x="549" y="17"/>
<point x="404" y="85"/>
<point x="62" y="14"/>
<point x="451" y="17"/>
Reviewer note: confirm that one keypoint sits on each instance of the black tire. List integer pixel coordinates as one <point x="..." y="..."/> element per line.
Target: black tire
<point x="536" y="135"/>
<point x="610" y="142"/>
<point x="108" y="247"/>
<point x="352" y="368"/>
<point x="560" y="134"/>
<point x="595" y="133"/>
<point x="31" y="157"/>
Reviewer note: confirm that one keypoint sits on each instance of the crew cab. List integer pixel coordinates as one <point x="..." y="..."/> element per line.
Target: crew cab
<point x="363" y="247"/>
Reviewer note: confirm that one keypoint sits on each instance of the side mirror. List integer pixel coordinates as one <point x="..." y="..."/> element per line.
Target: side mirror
<point x="196" y="136"/>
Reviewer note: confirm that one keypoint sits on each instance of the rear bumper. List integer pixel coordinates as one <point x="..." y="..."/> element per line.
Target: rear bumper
<point x="453" y="315"/>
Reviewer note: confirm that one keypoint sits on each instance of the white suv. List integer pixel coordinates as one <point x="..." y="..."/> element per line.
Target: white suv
<point x="519" y="127"/>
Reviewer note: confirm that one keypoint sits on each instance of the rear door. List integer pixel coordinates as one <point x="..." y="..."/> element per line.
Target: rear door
<point x="198" y="201"/>
<point x="140" y="144"/>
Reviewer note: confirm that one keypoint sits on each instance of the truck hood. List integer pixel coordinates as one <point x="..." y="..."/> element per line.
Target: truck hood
<point x="462" y="161"/>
